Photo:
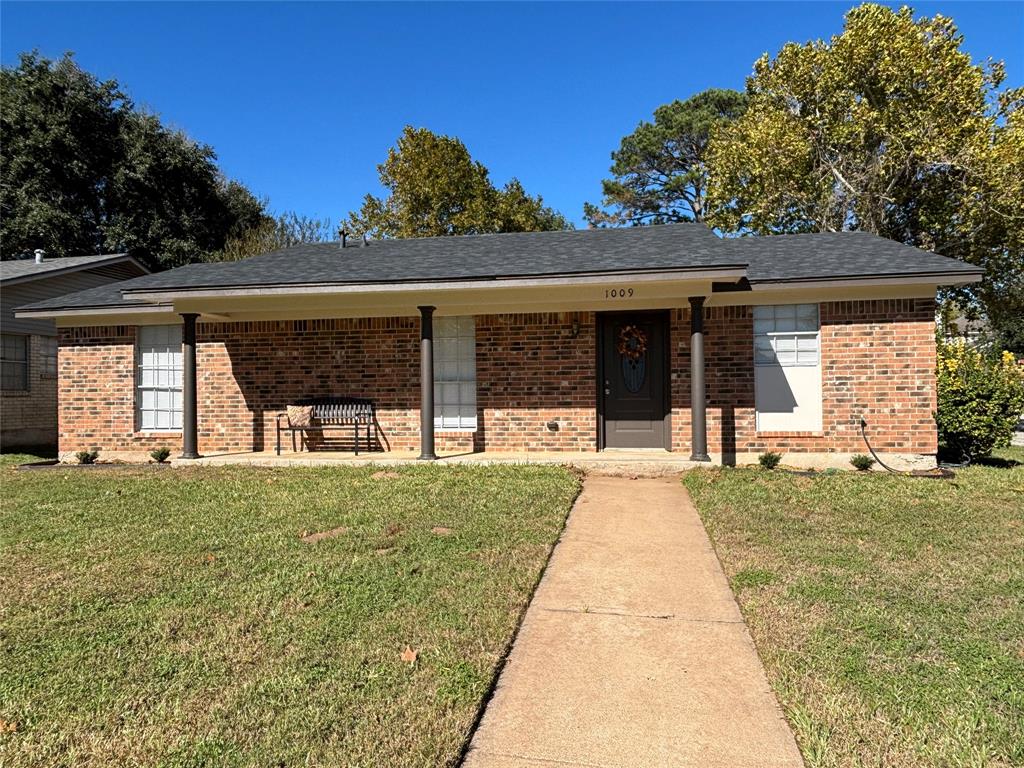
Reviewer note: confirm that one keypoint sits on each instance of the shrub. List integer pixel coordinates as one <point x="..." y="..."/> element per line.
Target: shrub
<point x="861" y="462"/>
<point x="769" y="459"/>
<point x="87" y="457"/>
<point x="159" y="455"/>
<point x="980" y="399"/>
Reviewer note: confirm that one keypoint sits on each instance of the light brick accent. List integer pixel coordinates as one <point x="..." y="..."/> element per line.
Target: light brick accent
<point x="877" y="360"/>
<point x="29" y="418"/>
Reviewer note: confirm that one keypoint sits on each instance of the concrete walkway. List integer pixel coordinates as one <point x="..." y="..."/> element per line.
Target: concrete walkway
<point x="633" y="651"/>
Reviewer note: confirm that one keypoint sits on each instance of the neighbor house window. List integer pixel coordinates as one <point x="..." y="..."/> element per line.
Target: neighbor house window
<point x="49" y="355"/>
<point x="787" y="368"/>
<point x="158" y="400"/>
<point x="14" y="363"/>
<point x="454" y="373"/>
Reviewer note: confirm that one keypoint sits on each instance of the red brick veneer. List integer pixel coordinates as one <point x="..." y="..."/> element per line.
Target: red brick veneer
<point x="530" y="371"/>
<point x="878" y="360"/>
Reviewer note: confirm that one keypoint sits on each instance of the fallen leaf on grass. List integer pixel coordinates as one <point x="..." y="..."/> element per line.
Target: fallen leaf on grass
<point x="440" y="530"/>
<point x="385" y="475"/>
<point x="410" y="655"/>
<point x="12" y="727"/>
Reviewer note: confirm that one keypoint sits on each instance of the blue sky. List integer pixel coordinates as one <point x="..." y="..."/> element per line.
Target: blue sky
<point x="302" y="100"/>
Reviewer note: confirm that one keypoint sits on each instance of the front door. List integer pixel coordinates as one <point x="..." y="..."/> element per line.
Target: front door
<point x="634" y="403"/>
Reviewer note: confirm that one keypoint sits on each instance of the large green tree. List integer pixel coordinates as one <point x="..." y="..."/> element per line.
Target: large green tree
<point x="286" y="230"/>
<point x="658" y="171"/>
<point x="83" y="171"/>
<point x="890" y="128"/>
<point x="435" y="188"/>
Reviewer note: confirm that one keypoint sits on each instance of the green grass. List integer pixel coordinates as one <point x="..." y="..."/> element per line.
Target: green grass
<point x="173" y="617"/>
<point x="889" y="611"/>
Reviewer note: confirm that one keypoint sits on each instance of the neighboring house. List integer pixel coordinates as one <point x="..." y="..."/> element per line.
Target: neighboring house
<point x="666" y="338"/>
<point x="28" y="401"/>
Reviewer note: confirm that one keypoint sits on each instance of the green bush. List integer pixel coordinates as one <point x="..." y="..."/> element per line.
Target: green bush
<point x="87" y="457"/>
<point x="769" y="459"/>
<point x="159" y="455"/>
<point x="980" y="399"/>
<point x="861" y="462"/>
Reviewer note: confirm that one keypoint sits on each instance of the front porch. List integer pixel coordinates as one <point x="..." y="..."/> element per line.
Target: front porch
<point x="646" y="462"/>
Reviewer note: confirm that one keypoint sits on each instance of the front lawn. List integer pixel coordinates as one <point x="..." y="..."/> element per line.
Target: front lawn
<point x="176" y="617"/>
<point x="889" y="611"/>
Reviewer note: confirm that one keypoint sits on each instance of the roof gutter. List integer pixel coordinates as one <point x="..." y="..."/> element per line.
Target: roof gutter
<point x="735" y="272"/>
<point x="960" y="277"/>
<point x="103" y="309"/>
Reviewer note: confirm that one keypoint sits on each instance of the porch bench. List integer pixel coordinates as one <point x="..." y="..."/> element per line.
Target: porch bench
<point x="333" y="413"/>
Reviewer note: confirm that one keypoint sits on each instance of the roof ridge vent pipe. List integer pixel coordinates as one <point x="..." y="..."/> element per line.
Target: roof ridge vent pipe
<point x="40" y="255"/>
<point x="343" y="235"/>
<point x="365" y="241"/>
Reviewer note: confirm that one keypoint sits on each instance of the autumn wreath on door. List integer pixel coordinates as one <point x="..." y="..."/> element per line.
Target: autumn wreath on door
<point x="632" y="349"/>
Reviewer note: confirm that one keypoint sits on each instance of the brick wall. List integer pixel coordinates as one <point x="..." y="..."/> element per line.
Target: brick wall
<point x="877" y="360"/>
<point x="29" y="418"/>
<point x="532" y="369"/>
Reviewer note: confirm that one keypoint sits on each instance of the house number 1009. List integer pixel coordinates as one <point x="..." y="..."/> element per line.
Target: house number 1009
<point x="618" y="293"/>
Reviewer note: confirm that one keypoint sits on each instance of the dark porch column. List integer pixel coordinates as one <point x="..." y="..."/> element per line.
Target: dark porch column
<point x="698" y="398"/>
<point x="427" y="384"/>
<point x="190" y="416"/>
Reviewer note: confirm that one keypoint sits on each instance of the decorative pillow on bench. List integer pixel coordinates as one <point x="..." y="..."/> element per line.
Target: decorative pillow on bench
<point x="300" y="415"/>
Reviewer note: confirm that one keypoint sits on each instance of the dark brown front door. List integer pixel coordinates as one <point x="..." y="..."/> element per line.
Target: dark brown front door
<point x="634" y="402"/>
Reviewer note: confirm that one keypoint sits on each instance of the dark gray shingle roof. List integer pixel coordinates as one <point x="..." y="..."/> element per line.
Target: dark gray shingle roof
<point x="780" y="258"/>
<point x="108" y="295"/>
<point x="22" y="269"/>
<point x="831" y="255"/>
<point x="517" y="254"/>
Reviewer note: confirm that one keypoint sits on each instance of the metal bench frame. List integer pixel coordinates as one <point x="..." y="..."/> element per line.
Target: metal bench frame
<point x="333" y="413"/>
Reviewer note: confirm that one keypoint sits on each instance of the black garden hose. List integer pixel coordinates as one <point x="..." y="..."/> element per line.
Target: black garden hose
<point x="943" y="472"/>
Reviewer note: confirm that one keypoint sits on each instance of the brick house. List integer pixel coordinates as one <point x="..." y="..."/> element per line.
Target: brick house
<point x="663" y="338"/>
<point x="28" y="355"/>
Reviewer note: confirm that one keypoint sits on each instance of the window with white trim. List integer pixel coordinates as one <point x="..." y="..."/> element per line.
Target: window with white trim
<point x="787" y="368"/>
<point x="454" y="373"/>
<point x="14" y="363"/>
<point x="158" y="386"/>
<point x="786" y="334"/>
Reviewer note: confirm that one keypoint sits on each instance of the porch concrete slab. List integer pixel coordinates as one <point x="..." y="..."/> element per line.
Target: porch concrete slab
<point x="639" y="462"/>
<point x="633" y="651"/>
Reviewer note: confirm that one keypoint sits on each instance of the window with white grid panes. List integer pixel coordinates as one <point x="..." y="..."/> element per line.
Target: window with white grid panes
<point x="454" y="373"/>
<point x="787" y="368"/>
<point x="158" y="385"/>
<point x="786" y="334"/>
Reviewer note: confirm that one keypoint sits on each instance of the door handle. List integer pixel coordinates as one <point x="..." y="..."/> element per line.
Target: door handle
<point x="607" y="387"/>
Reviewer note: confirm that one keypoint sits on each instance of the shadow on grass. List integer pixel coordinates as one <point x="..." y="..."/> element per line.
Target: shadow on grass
<point x="998" y="462"/>
<point x="21" y="454"/>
